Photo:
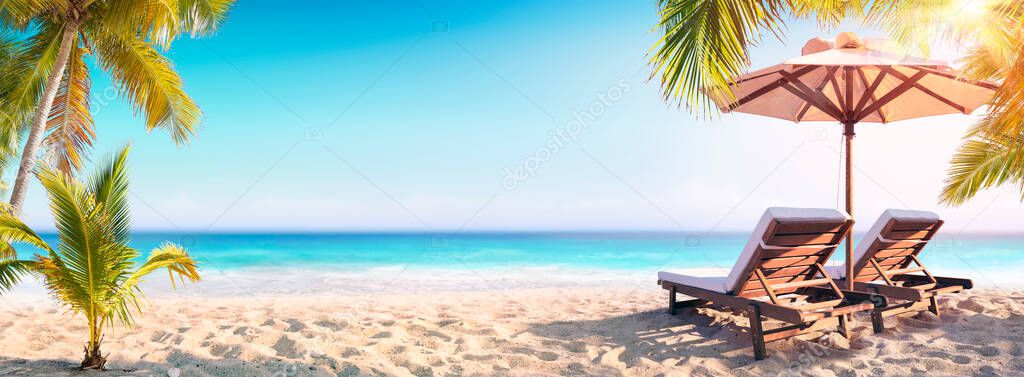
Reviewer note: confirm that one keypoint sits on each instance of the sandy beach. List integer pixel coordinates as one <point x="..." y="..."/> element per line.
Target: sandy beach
<point x="561" y="331"/>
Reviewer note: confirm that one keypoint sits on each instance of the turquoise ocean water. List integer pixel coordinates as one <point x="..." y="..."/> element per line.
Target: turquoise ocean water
<point x="990" y="260"/>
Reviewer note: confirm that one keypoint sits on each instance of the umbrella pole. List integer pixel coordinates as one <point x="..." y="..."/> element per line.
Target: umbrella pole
<point x="848" y="134"/>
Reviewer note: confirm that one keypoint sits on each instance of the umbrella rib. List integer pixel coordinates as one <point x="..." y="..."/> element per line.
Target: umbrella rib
<point x="848" y="105"/>
<point x="821" y="86"/>
<point x="983" y="84"/>
<point x="929" y="92"/>
<point x="870" y="91"/>
<point x="892" y="94"/>
<point x="801" y="90"/>
<point x="745" y="79"/>
<point x="770" y="87"/>
<point x="835" y="87"/>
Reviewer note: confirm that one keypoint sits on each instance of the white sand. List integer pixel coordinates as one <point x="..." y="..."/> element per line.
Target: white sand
<point x="515" y="332"/>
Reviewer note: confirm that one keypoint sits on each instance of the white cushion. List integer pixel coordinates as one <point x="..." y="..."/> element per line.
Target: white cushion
<point x="733" y="281"/>
<point x="711" y="283"/>
<point x="861" y="249"/>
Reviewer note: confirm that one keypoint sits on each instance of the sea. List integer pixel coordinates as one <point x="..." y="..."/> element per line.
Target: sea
<point x="311" y="263"/>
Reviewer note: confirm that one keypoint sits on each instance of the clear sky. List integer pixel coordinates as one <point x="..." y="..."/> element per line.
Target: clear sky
<point x="409" y="114"/>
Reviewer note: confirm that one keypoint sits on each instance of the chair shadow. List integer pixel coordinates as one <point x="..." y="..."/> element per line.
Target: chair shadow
<point x="702" y="333"/>
<point x="657" y="336"/>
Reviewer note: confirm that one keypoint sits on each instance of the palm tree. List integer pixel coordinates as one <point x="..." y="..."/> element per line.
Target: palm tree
<point x="707" y="42"/>
<point x="48" y="82"/>
<point x="90" y="269"/>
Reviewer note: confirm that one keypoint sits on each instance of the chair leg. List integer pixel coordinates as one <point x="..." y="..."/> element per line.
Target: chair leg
<point x="844" y="326"/>
<point x="672" y="301"/>
<point x="757" y="332"/>
<point x="877" y="324"/>
<point x="933" y="305"/>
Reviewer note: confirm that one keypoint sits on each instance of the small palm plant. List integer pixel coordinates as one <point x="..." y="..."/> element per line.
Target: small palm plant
<point x="90" y="269"/>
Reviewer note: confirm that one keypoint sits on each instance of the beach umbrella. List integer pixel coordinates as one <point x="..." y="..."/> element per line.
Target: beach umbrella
<point x="849" y="81"/>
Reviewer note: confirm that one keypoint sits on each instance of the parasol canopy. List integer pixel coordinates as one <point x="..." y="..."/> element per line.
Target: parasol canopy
<point x="849" y="80"/>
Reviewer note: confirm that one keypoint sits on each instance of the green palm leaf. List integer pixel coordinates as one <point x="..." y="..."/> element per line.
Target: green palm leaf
<point x="147" y="80"/>
<point x="706" y="44"/>
<point x="174" y="258"/>
<point x="984" y="161"/>
<point x="11" y="272"/>
<point x="13" y="231"/>
<point x="19" y="13"/>
<point x="203" y="17"/>
<point x="110" y="185"/>
<point x="80" y="249"/>
<point x="71" y="130"/>
<point x="24" y="77"/>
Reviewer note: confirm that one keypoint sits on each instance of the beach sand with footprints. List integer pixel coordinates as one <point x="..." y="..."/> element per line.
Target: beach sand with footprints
<point x="571" y="331"/>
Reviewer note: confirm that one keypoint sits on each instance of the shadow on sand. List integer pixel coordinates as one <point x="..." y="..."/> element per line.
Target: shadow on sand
<point x="181" y="364"/>
<point x="658" y="337"/>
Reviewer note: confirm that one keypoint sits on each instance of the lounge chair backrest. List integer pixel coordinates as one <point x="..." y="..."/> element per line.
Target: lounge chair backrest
<point x="785" y="246"/>
<point x="897" y="237"/>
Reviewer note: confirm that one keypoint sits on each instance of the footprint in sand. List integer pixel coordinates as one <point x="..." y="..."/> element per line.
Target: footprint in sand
<point x="987" y="351"/>
<point x="543" y="355"/>
<point x="438" y="334"/>
<point x="225" y="351"/>
<point x="972" y="305"/>
<point x="962" y="360"/>
<point x="285" y="347"/>
<point x="330" y="325"/>
<point x="159" y="336"/>
<point x="472" y="357"/>
<point x="446" y="322"/>
<point x="294" y="325"/>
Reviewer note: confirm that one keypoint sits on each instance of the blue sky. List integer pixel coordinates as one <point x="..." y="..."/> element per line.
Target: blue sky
<point x="406" y="115"/>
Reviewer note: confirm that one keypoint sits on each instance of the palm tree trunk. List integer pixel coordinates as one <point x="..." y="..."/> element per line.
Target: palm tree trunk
<point x="35" y="135"/>
<point x="93" y="358"/>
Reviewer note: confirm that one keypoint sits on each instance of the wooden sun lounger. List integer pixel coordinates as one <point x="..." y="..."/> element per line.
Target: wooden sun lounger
<point x="887" y="263"/>
<point x="780" y="276"/>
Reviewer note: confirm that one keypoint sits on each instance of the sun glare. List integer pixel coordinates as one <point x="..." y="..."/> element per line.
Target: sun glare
<point x="969" y="11"/>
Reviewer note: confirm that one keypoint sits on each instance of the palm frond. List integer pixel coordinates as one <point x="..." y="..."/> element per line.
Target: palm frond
<point x="828" y="13"/>
<point x="110" y="186"/>
<point x="163" y="21"/>
<point x="985" y="63"/>
<point x="12" y="270"/>
<point x="9" y="123"/>
<point x="24" y="77"/>
<point x="153" y="20"/>
<point x="203" y="17"/>
<point x="981" y="162"/>
<point x="80" y="249"/>
<point x="19" y="13"/>
<point x="147" y="80"/>
<point x="14" y="231"/>
<point x="912" y="25"/>
<point x="70" y="128"/>
<point x="706" y="44"/>
<point x="173" y="257"/>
